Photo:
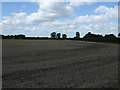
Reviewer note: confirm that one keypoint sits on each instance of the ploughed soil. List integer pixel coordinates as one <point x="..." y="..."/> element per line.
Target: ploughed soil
<point x="59" y="64"/>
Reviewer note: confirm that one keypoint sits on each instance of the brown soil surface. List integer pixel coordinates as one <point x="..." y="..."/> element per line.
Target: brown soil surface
<point x="59" y="64"/>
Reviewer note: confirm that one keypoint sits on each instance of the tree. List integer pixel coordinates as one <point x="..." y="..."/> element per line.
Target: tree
<point x="119" y="35"/>
<point x="77" y="35"/>
<point x="12" y="37"/>
<point x="64" y="36"/>
<point x="21" y="36"/>
<point x="112" y="36"/>
<point x="58" y="35"/>
<point x="53" y="35"/>
<point x="88" y="36"/>
<point x="93" y="37"/>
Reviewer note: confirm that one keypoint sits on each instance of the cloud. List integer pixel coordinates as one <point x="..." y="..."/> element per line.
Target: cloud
<point x="106" y="14"/>
<point x="47" y="20"/>
<point x="90" y="18"/>
<point x="69" y="27"/>
<point x="48" y="11"/>
<point x="16" y="19"/>
<point x="102" y="9"/>
<point x="51" y="11"/>
<point x="55" y="10"/>
<point x="76" y="3"/>
<point x="111" y="13"/>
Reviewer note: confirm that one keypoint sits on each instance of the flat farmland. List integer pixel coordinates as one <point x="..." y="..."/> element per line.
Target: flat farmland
<point x="59" y="64"/>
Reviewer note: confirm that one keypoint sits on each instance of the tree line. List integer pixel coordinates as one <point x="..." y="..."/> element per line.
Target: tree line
<point x="55" y="35"/>
<point x="58" y="36"/>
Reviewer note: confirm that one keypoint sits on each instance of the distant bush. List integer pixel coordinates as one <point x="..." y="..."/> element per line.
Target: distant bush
<point x="99" y="38"/>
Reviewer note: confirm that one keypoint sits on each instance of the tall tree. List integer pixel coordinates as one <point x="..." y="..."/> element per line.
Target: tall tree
<point x="77" y="35"/>
<point x="53" y="35"/>
<point x="64" y="36"/>
<point x="58" y="35"/>
<point x="119" y="35"/>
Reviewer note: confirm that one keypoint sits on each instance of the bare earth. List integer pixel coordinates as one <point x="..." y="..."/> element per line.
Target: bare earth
<point x="59" y="64"/>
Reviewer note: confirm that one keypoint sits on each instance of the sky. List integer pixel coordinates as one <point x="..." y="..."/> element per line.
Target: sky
<point x="40" y="19"/>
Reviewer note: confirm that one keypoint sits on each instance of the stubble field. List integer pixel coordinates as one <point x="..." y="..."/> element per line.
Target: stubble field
<point x="59" y="64"/>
